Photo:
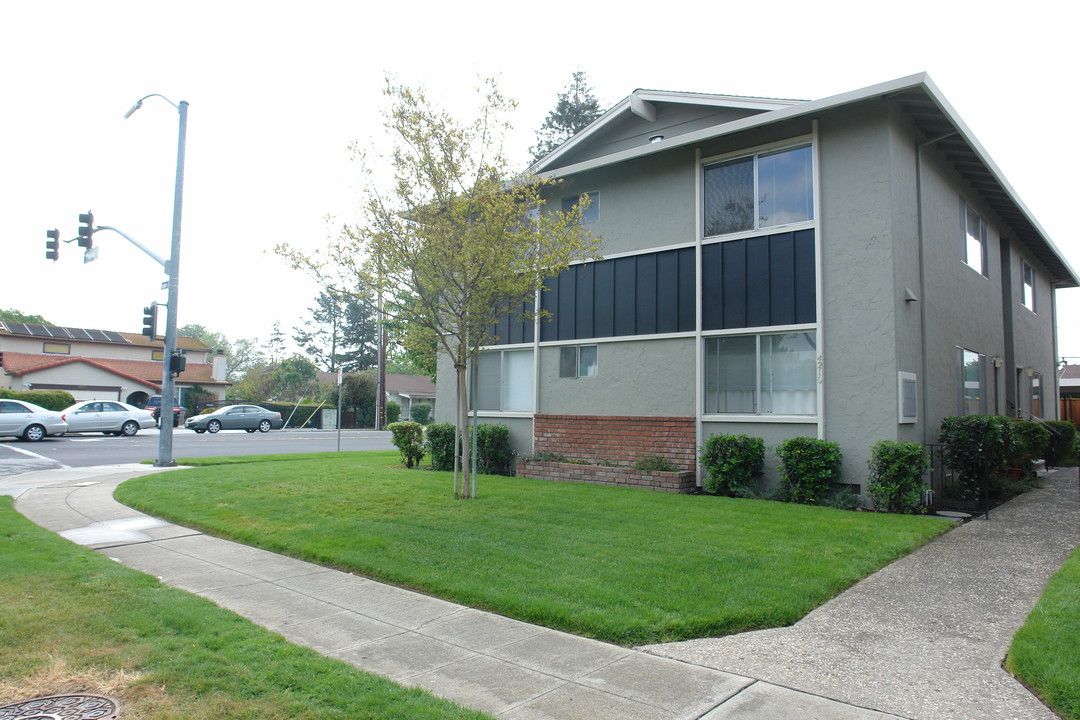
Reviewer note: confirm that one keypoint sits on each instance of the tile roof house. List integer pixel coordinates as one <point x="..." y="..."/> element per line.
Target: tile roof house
<point x="855" y="268"/>
<point x="101" y="364"/>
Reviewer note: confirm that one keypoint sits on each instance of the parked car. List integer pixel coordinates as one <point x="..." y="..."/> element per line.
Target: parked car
<point x="110" y="417"/>
<point x="236" y="417"/>
<point x="154" y="406"/>
<point x="29" y="421"/>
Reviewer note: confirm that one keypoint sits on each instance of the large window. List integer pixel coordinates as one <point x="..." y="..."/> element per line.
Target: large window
<point x="973" y="385"/>
<point x="974" y="240"/>
<point x="504" y="380"/>
<point x="1027" y="286"/>
<point x="760" y="191"/>
<point x="761" y="374"/>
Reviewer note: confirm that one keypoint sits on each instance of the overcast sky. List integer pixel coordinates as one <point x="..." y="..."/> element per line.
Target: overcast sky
<point x="278" y="91"/>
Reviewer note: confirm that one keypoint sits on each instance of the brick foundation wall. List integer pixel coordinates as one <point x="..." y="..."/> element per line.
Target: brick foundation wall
<point x="675" y="482"/>
<point x="618" y="439"/>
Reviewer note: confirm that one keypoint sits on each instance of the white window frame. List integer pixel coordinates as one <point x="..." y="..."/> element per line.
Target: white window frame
<point x="977" y="235"/>
<point x="582" y="367"/>
<point x="505" y="381"/>
<point x="757" y="414"/>
<point x="964" y="356"/>
<point x="755" y="156"/>
<point x="907" y="385"/>
<point x="1027" y="286"/>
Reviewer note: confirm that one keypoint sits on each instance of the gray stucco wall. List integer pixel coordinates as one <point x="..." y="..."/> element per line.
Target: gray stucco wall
<point x="646" y="377"/>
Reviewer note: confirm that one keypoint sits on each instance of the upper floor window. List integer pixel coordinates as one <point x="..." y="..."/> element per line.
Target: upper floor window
<point x="974" y="240"/>
<point x="590" y="214"/>
<point x="1027" y="286"/>
<point x="759" y="191"/>
<point x="55" y="348"/>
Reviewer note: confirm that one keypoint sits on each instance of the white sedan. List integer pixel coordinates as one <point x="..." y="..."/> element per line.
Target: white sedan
<point x="29" y="421"/>
<point x="107" y="416"/>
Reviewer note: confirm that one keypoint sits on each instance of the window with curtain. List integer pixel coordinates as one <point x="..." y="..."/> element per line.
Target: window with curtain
<point x="771" y="374"/>
<point x="760" y="191"/>
<point x="504" y="380"/>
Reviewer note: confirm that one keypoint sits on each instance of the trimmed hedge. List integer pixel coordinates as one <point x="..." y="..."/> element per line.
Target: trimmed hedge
<point x="493" y="452"/>
<point x="1062" y="441"/>
<point x="732" y="462"/>
<point x="896" y="476"/>
<point x="809" y="468"/>
<point x="55" y="400"/>
<point x="440" y="445"/>
<point x="977" y="447"/>
<point x="302" y="413"/>
<point x="420" y="412"/>
<point x="409" y="440"/>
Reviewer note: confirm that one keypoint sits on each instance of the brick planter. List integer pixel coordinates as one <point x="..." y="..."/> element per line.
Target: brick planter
<point x="676" y="482"/>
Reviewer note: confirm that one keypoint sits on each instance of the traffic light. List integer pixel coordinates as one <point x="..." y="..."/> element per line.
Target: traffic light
<point x="52" y="245"/>
<point x="86" y="230"/>
<point x="149" y="321"/>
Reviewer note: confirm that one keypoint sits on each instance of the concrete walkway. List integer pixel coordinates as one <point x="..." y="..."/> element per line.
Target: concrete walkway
<point x="924" y="637"/>
<point x="900" y="649"/>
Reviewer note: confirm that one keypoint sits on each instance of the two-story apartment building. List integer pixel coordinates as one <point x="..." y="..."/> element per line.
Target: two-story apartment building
<point x="854" y="268"/>
<point x="101" y="364"/>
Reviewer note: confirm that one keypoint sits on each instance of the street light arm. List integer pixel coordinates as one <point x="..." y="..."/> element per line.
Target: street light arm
<point x="139" y="103"/>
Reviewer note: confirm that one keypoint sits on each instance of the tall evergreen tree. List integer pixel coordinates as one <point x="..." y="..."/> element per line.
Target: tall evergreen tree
<point x="575" y="109"/>
<point x="341" y="332"/>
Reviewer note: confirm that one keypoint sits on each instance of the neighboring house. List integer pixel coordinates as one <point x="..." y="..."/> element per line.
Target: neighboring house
<point x="101" y="364"/>
<point x="854" y="269"/>
<point x="402" y="389"/>
<point x="1069" y="381"/>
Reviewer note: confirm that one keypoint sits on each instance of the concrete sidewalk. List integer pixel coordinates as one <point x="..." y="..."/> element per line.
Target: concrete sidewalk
<point x="924" y="637"/>
<point x="510" y="669"/>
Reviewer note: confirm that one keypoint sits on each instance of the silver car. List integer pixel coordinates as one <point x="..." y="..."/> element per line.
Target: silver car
<point x="29" y="421"/>
<point x="236" y="417"/>
<point x="110" y="417"/>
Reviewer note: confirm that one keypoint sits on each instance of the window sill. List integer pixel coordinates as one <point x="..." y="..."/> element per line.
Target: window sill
<point x="803" y="419"/>
<point x="504" y="413"/>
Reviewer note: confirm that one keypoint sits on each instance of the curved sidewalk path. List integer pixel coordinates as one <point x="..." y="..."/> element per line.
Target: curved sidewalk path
<point x="923" y="642"/>
<point x="925" y="636"/>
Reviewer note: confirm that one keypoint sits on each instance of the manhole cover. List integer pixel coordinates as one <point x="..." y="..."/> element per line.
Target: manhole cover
<point x="62" y="707"/>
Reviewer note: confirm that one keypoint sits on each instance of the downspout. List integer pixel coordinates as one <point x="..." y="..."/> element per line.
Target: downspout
<point x="699" y="346"/>
<point x="923" y="384"/>
<point x="819" y="276"/>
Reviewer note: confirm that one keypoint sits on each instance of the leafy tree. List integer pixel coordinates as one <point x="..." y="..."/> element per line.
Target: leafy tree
<point x="13" y="315"/>
<point x="457" y="238"/>
<point x="240" y="355"/>
<point x="294" y="378"/>
<point x="574" y="110"/>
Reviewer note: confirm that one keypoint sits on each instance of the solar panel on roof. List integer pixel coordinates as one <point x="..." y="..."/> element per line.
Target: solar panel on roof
<point x="78" y="334"/>
<point x="97" y="335"/>
<point x="17" y="328"/>
<point x="37" y="330"/>
<point x="114" y="336"/>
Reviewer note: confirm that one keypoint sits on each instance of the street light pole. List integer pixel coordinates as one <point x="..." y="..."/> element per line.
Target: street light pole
<point x="172" y="268"/>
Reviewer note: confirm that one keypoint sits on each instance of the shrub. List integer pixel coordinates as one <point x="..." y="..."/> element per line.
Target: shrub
<point x="492" y="448"/>
<point x="55" y="400"/>
<point x="440" y="445"/>
<point x="1030" y="441"/>
<point x="393" y="412"/>
<point x="732" y="462"/>
<point x="976" y="447"/>
<point x="408" y="438"/>
<point x="896" y="476"/>
<point x="420" y="412"/>
<point x="808" y="468"/>
<point x="654" y="463"/>
<point x="1062" y="437"/>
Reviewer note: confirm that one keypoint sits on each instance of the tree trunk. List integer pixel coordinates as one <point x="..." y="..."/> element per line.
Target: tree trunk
<point x="461" y="436"/>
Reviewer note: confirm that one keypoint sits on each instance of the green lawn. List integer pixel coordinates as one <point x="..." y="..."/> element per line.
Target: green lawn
<point x="76" y="621"/>
<point x="1045" y="654"/>
<point x="625" y="565"/>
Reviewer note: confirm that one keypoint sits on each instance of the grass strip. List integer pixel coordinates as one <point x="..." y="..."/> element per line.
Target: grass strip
<point x="75" y="621"/>
<point x="624" y="565"/>
<point x="1045" y="653"/>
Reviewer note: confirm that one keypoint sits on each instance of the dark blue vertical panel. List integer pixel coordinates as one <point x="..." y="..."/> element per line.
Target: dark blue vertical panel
<point x="583" y="315"/>
<point x="733" y="275"/>
<point x="528" y="332"/>
<point x="513" y="326"/>
<point x="549" y="302"/>
<point x="565" y="313"/>
<point x="712" y="286"/>
<point x="757" y="281"/>
<point x="667" y="291"/>
<point x="646" y="294"/>
<point x="604" y="299"/>
<point x="805" y="274"/>
<point x="625" y="302"/>
<point x="687" y="290"/>
<point x="781" y="279"/>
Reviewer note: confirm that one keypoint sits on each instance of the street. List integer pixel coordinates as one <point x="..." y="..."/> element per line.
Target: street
<point x="97" y="449"/>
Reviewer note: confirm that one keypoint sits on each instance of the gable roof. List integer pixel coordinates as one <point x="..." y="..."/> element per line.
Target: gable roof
<point x="92" y="336"/>
<point x="147" y="372"/>
<point x="918" y="98"/>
